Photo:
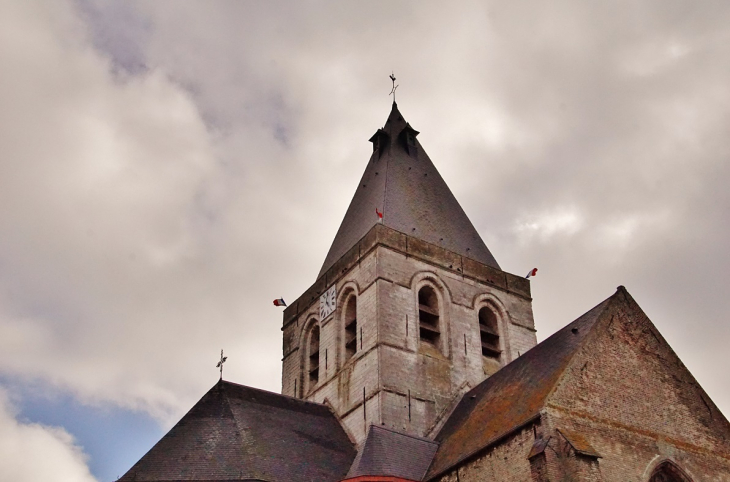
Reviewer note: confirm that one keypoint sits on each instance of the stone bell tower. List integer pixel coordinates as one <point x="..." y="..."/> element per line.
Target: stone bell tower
<point x="409" y="309"/>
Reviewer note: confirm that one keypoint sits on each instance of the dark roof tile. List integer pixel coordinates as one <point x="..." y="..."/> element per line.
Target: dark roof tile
<point x="241" y="433"/>
<point x="579" y="443"/>
<point x="389" y="453"/>
<point x="538" y="446"/>
<point x="511" y="397"/>
<point x="414" y="200"/>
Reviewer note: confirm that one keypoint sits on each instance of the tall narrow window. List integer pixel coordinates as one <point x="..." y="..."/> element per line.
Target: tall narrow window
<point x="489" y="333"/>
<point x="350" y="327"/>
<point x="313" y="353"/>
<point x="428" y="316"/>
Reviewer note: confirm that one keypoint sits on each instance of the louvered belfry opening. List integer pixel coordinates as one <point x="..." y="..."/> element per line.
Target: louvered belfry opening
<point x="313" y="356"/>
<point x="428" y="316"/>
<point x="489" y="333"/>
<point x="350" y="327"/>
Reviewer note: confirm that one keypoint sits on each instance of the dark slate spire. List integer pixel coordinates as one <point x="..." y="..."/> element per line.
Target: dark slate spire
<point x="401" y="182"/>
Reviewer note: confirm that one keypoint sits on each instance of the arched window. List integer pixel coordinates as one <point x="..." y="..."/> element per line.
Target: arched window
<point x="313" y="356"/>
<point x="489" y="333"/>
<point x="428" y="316"/>
<point x="350" y="327"/>
<point x="668" y="472"/>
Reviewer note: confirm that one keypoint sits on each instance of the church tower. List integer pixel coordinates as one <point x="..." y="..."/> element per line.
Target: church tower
<point x="411" y="359"/>
<point x="410" y="308"/>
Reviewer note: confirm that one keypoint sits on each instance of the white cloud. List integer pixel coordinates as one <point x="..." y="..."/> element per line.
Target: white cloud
<point x="561" y="221"/>
<point x="33" y="452"/>
<point x="168" y="169"/>
<point x="103" y="177"/>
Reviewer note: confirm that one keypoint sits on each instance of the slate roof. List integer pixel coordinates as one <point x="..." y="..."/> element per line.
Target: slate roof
<point x="389" y="453"/>
<point x="241" y="433"/>
<point x="514" y="395"/>
<point x="413" y="198"/>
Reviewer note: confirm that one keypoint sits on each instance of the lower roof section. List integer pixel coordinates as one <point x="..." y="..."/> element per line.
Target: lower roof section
<point x="386" y="452"/>
<point x="239" y="433"/>
<point x="513" y="396"/>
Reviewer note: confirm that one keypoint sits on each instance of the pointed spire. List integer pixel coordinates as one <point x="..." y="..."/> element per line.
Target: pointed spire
<point x="401" y="182"/>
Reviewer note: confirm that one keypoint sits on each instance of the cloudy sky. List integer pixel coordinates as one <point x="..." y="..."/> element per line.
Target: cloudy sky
<point x="168" y="169"/>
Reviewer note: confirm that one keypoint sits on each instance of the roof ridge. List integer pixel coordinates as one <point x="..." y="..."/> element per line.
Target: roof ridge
<point x="415" y="437"/>
<point x="550" y="338"/>
<point x="269" y="392"/>
<point x="606" y="304"/>
<point x="253" y="433"/>
<point x="538" y="371"/>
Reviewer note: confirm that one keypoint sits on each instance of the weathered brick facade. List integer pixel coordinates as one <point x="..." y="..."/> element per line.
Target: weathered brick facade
<point x="624" y="406"/>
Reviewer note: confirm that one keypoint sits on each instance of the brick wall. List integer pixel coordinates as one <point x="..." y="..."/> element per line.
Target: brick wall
<point x="628" y="403"/>
<point x="629" y="394"/>
<point x="507" y="462"/>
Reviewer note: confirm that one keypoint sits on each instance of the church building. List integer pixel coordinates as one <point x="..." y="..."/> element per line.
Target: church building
<point x="413" y="357"/>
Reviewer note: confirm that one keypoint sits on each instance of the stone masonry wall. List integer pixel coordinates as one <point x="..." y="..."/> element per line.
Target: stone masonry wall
<point x="434" y="377"/>
<point x="408" y="384"/>
<point x="341" y="383"/>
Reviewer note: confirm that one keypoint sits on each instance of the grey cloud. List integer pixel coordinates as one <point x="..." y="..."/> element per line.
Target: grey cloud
<point x="167" y="206"/>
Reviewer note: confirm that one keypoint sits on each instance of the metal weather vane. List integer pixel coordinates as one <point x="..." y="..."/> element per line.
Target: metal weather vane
<point x="221" y="362"/>
<point x="392" y="92"/>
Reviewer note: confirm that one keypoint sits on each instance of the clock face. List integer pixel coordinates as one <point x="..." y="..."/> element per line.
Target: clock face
<point x="327" y="303"/>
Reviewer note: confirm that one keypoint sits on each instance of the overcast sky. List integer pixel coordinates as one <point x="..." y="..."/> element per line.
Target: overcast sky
<point x="167" y="169"/>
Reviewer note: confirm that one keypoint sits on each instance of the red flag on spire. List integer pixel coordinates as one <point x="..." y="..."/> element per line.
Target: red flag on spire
<point x="380" y="215"/>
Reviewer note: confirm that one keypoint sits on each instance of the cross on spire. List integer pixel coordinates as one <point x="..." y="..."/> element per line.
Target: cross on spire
<point x="392" y="92"/>
<point x="221" y="362"/>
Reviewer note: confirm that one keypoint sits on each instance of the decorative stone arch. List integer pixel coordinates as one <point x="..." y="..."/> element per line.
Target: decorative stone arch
<point x="307" y="360"/>
<point x="312" y="319"/>
<point x="426" y="283"/>
<point x="346" y="290"/>
<point x="488" y="301"/>
<point x="349" y="328"/>
<point x="429" y="276"/>
<point x="666" y="470"/>
<point x="493" y="300"/>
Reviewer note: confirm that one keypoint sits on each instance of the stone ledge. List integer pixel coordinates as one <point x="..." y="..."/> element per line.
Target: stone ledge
<point x="521" y="325"/>
<point x="381" y="235"/>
